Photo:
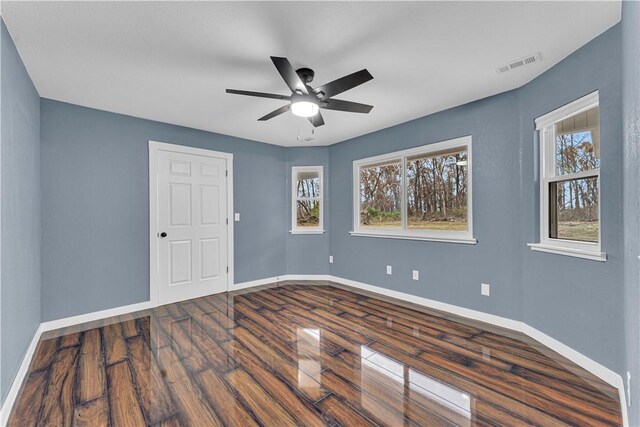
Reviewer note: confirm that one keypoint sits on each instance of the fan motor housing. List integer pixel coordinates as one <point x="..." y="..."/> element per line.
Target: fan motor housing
<point x="306" y="74"/>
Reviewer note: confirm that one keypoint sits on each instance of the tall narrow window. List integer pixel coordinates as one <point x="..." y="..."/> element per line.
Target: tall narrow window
<point x="570" y="179"/>
<point x="306" y="214"/>
<point x="421" y="193"/>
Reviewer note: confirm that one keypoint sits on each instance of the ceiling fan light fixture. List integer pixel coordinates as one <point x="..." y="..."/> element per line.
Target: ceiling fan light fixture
<point x="306" y="101"/>
<point x="304" y="108"/>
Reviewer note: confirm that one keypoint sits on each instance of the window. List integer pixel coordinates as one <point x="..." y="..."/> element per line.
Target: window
<point x="306" y="214"/>
<point x="422" y="193"/>
<point x="570" y="180"/>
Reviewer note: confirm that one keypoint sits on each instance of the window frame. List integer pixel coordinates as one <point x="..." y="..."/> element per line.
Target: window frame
<point x="295" y="170"/>
<point x="545" y="127"/>
<point x="466" y="237"/>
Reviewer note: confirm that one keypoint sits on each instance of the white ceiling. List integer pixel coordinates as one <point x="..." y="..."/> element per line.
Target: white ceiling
<point x="171" y="61"/>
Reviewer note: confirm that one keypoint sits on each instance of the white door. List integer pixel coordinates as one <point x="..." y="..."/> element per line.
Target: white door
<point x="192" y="229"/>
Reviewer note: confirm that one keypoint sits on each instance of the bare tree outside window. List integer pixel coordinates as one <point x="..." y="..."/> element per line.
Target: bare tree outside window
<point x="437" y="192"/>
<point x="307" y="197"/>
<point x="573" y="201"/>
<point x="569" y="178"/>
<point x="381" y="195"/>
<point x="418" y="193"/>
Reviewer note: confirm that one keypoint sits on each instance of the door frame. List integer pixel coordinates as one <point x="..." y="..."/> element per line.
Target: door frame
<point x="154" y="148"/>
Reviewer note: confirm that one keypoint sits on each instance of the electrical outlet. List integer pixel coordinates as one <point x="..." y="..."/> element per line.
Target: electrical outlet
<point x="485" y="289"/>
<point x="330" y="259"/>
<point x="416" y="275"/>
<point x="389" y="270"/>
<point x="237" y="217"/>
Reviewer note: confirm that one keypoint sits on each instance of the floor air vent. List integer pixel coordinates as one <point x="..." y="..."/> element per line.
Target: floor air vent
<point x="521" y="62"/>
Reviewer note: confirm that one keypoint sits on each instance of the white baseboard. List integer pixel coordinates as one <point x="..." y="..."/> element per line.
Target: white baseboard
<point x="254" y="283"/>
<point x="96" y="315"/>
<point x="600" y="371"/>
<point x="449" y="308"/>
<point x="50" y="326"/>
<point x="305" y="277"/>
<point x="278" y="279"/>
<point x="17" y="381"/>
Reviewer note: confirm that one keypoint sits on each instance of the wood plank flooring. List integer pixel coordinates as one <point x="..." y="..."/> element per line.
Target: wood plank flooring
<point x="301" y="354"/>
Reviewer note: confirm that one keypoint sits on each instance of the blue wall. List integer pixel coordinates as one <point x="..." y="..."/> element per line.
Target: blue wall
<point x="576" y="301"/>
<point x="20" y="211"/>
<point x="450" y="273"/>
<point x="631" y="138"/>
<point x="95" y="196"/>
<point x="308" y="253"/>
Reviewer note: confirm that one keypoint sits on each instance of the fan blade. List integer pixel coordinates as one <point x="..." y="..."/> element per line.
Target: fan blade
<point x="343" y="84"/>
<point x="316" y="120"/>
<point x="291" y="78"/>
<point x="274" y="113"/>
<point x="259" y="94"/>
<point x="340" y="105"/>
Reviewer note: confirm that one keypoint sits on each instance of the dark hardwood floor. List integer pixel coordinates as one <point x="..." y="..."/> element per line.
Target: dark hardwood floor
<point x="301" y="354"/>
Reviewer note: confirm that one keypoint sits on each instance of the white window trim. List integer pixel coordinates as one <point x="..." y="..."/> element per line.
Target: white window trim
<point x="545" y="127"/>
<point x="465" y="237"/>
<point x="294" y="198"/>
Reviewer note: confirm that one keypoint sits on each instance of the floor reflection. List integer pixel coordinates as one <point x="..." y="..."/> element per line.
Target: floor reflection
<point x="435" y="396"/>
<point x="309" y="365"/>
<point x="301" y="355"/>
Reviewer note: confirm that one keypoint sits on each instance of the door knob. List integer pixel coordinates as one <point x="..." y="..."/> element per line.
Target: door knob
<point x="163" y="235"/>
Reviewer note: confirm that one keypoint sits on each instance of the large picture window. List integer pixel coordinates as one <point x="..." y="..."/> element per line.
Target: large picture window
<point x="570" y="179"/>
<point x="421" y="193"/>
<point x="306" y="214"/>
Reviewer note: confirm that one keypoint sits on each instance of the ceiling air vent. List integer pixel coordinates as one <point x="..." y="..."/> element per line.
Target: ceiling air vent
<point x="518" y="63"/>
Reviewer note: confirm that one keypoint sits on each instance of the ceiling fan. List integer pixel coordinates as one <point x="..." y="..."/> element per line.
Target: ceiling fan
<point x="306" y="101"/>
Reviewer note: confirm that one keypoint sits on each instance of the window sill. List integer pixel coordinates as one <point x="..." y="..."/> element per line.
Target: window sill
<point x="462" y="240"/>
<point x="306" y="231"/>
<point x="590" y="255"/>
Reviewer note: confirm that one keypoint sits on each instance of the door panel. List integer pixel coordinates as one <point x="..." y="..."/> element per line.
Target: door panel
<point x="192" y="211"/>
<point x="180" y="204"/>
<point x="180" y="263"/>
<point x="210" y="255"/>
<point x="209" y="194"/>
